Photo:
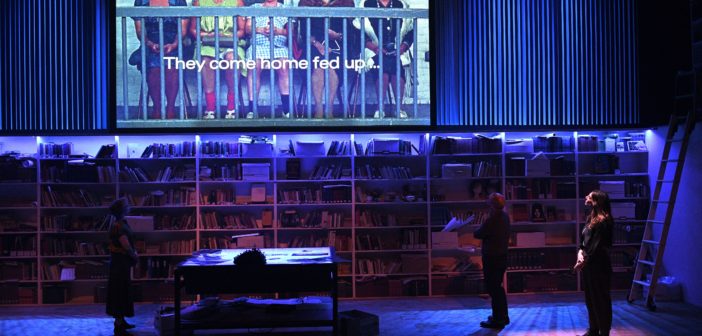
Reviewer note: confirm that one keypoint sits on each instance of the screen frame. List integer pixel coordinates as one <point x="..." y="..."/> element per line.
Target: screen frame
<point x="112" y="109"/>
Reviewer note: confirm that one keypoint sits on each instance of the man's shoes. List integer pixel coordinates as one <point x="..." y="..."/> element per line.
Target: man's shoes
<point x="492" y="324"/>
<point x="403" y="115"/>
<point x="250" y="115"/>
<point x="231" y="114"/>
<point x="209" y="115"/>
<point x="286" y="115"/>
<point x="378" y="114"/>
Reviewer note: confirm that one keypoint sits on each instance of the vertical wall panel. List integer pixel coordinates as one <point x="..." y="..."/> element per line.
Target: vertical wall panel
<point x="50" y="61"/>
<point x="539" y="63"/>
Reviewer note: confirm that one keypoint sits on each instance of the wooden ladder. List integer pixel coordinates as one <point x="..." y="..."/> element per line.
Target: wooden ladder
<point x="648" y="264"/>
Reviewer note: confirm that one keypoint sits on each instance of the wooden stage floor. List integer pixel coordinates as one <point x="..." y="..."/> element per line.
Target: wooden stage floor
<point x="531" y="314"/>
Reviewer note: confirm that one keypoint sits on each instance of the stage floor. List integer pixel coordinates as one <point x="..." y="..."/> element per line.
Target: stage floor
<point x="531" y="314"/>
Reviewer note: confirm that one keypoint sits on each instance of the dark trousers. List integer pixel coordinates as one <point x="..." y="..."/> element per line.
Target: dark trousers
<point x="597" y="283"/>
<point x="493" y="271"/>
<point x="119" y="292"/>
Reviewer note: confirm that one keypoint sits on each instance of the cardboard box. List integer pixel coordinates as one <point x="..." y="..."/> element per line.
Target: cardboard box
<point x="539" y="165"/>
<point x="264" y="150"/>
<point x="140" y="223"/>
<point x="531" y="239"/>
<point x="250" y="242"/>
<point x="623" y="210"/>
<point x="615" y="189"/>
<point x="519" y="145"/>
<point x="451" y="170"/>
<point x="444" y="240"/>
<point x="255" y="171"/>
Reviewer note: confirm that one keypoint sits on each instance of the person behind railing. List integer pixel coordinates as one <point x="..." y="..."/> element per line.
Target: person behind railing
<point x="335" y="50"/>
<point x="207" y="50"/>
<point x="263" y="51"/>
<point x="153" y="60"/>
<point x="389" y="49"/>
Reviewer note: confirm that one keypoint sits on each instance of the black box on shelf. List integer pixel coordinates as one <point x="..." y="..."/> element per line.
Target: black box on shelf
<point x="358" y="323"/>
<point x="55" y="294"/>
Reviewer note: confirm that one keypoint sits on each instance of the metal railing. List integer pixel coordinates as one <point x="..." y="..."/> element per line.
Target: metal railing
<point x="297" y="14"/>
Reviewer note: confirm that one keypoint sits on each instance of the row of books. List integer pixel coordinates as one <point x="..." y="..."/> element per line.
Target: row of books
<point x="89" y="173"/>
<point x="217" y="243"/>
<point x="216" y="172"/>
<point x="16" y="224"/>
<point x="369" y="171"/>
<point x="541" y="282"/>
<point x="243" y="220"/>
<point x="166" y="174"/>
<point x="166" y="150"/>
<point x="185" y="246"/>
<point x="219" y="149"/>
<point x="309" y="240"/>
<point x="74" y="198"/>
<point x="18" y="246"/>
<point x="75" y="270"/>
<point x="455" y="265"/>
<point x="340" y="242"/>
<point x="378" y="266"/>
<point x="53" y="150"/>
<point x="218" y="197"/>
<point x="176" y="196"/>
<point x="14" y="293"/>
<point x="478" y="190"/>
<point x="291" y="218"/>
<point x="337" y="193"/>
<point x="72" y="247"/>
<point x="539" y="189"/>
<point x="68" y="223"/>
<point x="11" y="270"/>
<point x="533" y="259"/>
<point x="154" y="268"/>
<point x="459" y="145"/>
<point x="175" y="222"/>
<point x="442" y="215"/>
<point x="330" y="172"/>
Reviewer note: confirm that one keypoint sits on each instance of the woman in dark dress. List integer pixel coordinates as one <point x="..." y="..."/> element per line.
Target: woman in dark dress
<point x="594" y="261"/>
<point x="123" y="256"/>
<point x="335" y="50"/>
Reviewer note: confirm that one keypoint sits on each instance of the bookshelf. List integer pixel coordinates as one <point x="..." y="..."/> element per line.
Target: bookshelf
<point x="380" y="202"/>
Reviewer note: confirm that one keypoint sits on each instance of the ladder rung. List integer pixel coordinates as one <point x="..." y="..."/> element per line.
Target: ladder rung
<point x="674" y="140"/>
<point x="652" y="242"/>
<point x="660" y="202"/>
<point x="642" y="283"/>
<point x="665" y="181"/>
<point x="647" y="262"/>
<point x="673" y="160"/>
<point x="656" y="221"/>
<point x="684" y="96"/>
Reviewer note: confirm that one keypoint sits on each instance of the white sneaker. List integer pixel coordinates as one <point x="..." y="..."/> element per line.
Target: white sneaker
<point x="403" y="115"/>
<point x="286" y="115"/>
<point x="378" y="115"/>
<point x="231" y="114"/>
<point x="250" y="115"/>
<point x="209" y="115"/>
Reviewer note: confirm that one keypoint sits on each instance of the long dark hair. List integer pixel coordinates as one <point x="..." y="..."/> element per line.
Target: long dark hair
<point x="601" y="209"/>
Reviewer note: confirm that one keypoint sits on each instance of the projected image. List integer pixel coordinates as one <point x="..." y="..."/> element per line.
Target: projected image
<point x="272" y="63"/>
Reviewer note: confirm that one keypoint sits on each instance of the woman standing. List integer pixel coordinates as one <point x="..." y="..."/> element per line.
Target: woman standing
<point x="153" y="54"/>
<point x="123" y="256"/>
<point x="594" y="261"/>
<point x="227" y="28"/>
<point x="263" y="51"/>
<point x="335" y="50"/>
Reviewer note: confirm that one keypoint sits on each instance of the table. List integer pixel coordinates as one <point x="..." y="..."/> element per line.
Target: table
<point x="287" y="270"/>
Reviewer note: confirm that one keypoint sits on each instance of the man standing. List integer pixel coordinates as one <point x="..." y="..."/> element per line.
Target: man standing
<point x="495" y="235"/>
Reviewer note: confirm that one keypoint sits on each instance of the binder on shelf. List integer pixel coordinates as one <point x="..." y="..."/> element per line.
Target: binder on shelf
<point x="258" y="193"/>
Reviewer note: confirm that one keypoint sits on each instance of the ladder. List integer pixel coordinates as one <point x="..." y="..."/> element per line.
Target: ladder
<point x="651" y="251"/>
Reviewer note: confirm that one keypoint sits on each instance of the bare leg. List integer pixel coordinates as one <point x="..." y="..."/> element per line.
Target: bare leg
<point x="257" y="73"/>
<point x="398" y="99"/>
<point x="317" y="89"/>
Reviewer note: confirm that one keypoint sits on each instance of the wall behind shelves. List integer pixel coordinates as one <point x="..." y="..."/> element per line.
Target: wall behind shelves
<point x="685" y="232"/>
